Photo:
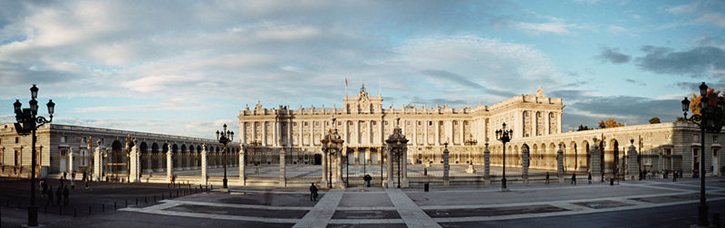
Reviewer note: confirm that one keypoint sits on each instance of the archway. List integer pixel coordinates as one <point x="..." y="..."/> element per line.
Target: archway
<point x="155" y="160"/>
<point x="145" y="158"/>
<point x="116" y="159"/>
<point x="318" y="159"/>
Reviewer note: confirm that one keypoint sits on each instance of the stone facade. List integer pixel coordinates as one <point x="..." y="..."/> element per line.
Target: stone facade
<point x="65" y="148"/>
<point x="536" y="120"/>
<point x="363" y="123"/>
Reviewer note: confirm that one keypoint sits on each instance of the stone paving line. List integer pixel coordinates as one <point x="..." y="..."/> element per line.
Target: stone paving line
<point x="322" y="213"/>
<point x="265" y="207"/>
<point x="521" y="216"/>
<point x="411" y="214"/>
<point x="444" y="207"/>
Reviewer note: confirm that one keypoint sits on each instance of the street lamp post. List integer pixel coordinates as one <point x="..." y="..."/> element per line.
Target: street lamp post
<point x="710" y="120"/>
<point x="398" y="145"/>
<point x="331" y="144"/>
<point x="28" y="122"/>
<point x="504" y="136"/>
<point x="225" y="136"/>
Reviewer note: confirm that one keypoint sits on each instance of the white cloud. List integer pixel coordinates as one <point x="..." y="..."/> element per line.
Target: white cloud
<point x="556" y="27"/>
<point x="709" y="12"/>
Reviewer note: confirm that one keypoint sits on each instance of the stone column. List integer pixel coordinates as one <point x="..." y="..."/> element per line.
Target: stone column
<point x="70" y="161"/>
<point x="188" y="158"/>
<point x="149" y="158"/>
<point x="632" y="165"/>
<point x="282" y="168"/>
<point x="338" y="171"/>
<point x="486" y="165"/>
<point x="525" y="164"/>
<point x="560" y="164"/>
<point x="169" y="164"/>
<point x="97" y="163"/>
<point x="446" y="166"/>
<point x="390" y="165"/>
<point x="437" y="133"/>
<point x="404" y="169"/>
<point x="243" y="132"/>
<point x="595" y="168"/>
<point x="242" y="166"/>
<point x="135" y="164"/>
<point x="204" y="179"/>
<point x="325" y="172"/>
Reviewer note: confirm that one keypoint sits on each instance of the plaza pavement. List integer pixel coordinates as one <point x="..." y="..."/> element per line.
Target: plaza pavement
<point x="659" y="203"/>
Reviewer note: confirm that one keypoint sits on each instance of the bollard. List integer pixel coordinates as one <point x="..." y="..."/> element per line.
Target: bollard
<point x="18" y="204"/>
<point x="145" y="200"/>
<point x="60" y="210"/>
<point x="45" y="209"/>
<point x="611" y="181"/>
<point x="103" y="208"/>
<point x="126" y="203"/>
<point x="114" y="205"/>
<point x="426" y="186"/>
<point x="75" y="213"/>
<point x="162" y="196"/>
<point x="90" y="210"/>
<point x="136" y="202"/>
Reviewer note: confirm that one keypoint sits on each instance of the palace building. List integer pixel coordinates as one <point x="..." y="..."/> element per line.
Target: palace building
<point x="282" y="136"/>
<point x="364" y="122"/>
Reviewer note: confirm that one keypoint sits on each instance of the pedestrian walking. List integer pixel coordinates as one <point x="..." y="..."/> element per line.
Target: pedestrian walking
<point x="72" y="179"/>
<point x="590" y="178"/>
<point x="573" y="178"/>
<point x="66" y="195"/>
<point x="59" y="195"/>
<point x="313" y="192"/>
<point x="50" y="197"/>
<point x="44" y="186"/>
<point x="547" y="178"/>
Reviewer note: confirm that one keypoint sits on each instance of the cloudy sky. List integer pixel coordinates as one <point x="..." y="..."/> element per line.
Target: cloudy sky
<point x="187" y="67"/>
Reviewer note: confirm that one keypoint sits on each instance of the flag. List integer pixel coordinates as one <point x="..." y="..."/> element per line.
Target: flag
<point x="345" y="81"/>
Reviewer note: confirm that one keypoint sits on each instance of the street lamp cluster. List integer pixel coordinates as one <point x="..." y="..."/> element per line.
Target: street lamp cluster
<point x="504" y="136"/>
<point x="331" y="145"/>
<point x="225" y="137"/>
<point x="28" y="122"/>
<point x="710" y="119"/>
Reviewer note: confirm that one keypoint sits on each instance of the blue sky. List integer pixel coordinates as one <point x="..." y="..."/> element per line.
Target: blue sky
<point x="187" y="67"/>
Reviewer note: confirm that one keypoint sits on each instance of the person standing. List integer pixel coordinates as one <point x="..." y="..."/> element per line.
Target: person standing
<point x="547" y="178"/>
<point x="59" y="195"/>
<point x="367" y="178"/>
<point x="590" y="178"/>
<point x="50" y="196"/>
<point x="313" y="192"/>
<point x="573" y="178"/>
<point x="66" y="195"/>
<point x="44" y="186"/>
